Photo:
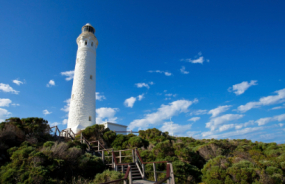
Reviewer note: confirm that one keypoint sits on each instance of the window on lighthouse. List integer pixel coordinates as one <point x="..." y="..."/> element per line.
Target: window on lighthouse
<point x="91" y="77"/>
<point x="89" y="118"/>
<point x="92" y="44"/>
<point x="85" y="42"/>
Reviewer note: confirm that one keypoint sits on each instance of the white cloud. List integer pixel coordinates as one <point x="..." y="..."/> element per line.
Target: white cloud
<point x="54" y="124"/>
<point x="106" y="114"/>
<point x="263" y="121"/>
<point x="140" y="85"/>
<point x="198" y="112"/>
<point x="217" y="121"/>
<point x="278" y="107"/>
<point x="241" y="125"/>
<point x="182" y="70"/>
<point x="100" y="97"/>
<point x="8" y="89"/>
<point x="199" y="59"/>
<point x="51" y="83"/>
<point x="215" y="112"/>
<point x="129" y="102"/>
<point x="240" y="88"/>
<point x="5" y="102"/>
<point x="170" y="94"/>
<point x="159" y="71"/>
<point x="194" y="119"/>
<point x="226" y="127"/>
<point x="269" y="100"/>
<point x="140" y="97"/>
<point x="66" y="107"/>
<point x="17" y="82"/>
<point x="232" y="133"/>
<point x="3" y="114"/>
<point x="46" y="112"/>
<point x="281" y="124"/>
<point x="15" y="104"/>
<point x="69" y="75"/>
<point x="65" y="121"/>
<point x="164" y="112"/>
<point x="175" y="129"/>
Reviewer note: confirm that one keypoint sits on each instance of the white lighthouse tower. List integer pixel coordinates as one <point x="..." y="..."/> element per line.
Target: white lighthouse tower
<point x="82" y="104"/>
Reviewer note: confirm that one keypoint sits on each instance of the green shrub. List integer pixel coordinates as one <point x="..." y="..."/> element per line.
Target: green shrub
<point x="108" y="176"/>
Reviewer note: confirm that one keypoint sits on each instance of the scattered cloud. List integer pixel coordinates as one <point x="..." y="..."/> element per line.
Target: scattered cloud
<point x="106" y="114"/>
<point x="175" y="129"/>
<point x="4" y="114"/>
<point x="171" y="95"/>
<point x="65" y="121"/>
<point x="263" y="121"/>
<point x="142" y="84"/>
<point x="51" y="83"/>
<point x="140" y="97"/>
<point x="182" y="70"/>
<point x="241" y="125"/>
<point x="5" y="102"/>
<point x="226" y="127"/>
<point x="198" y="112"/>
<point x="129" y="102"/>
<point x="54" y="124"/>
<point x="15" y="104"/>
<point x="278" y="107"/>
<point x="217" y="121"/>
<point x="194" y="119"/>
<point x="269" y="100"/>
<point x="240" y="88"/>
<point x="66" y="107"/>
<point x="69" y="75"/>
<point x="8" y="89"/>
<point x="18" y="82"/>
<point x="159" y="71"/>
<point x="100" y="97"/>
<point x="232" y="133"/>
<point x="46" y="112"/>
<point x="162" y="113"/>
<point x="198" y="59"/>
<point x="215" y="112"/>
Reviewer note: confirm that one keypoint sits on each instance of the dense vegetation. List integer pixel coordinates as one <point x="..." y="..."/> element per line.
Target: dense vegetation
<point x="29" y="154"/>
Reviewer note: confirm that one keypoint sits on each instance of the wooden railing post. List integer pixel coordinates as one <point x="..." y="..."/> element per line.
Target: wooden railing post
<point x="172" y="174"/>
<point x="113" y="160"/>
<point x="120" y="156"/>
<point x="143" y="171"/>
<point x="98" y="146"/>
<point x="130" y="176"/>
<point x="133" y="155"/>
<point x="154" y="172"/>
<point x="103" y="156"/>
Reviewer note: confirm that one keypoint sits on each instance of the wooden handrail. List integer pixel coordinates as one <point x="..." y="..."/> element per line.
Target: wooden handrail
<point x="125" y="177"/>
<point x="167" y="175"/>
<point x="116" y="162"/>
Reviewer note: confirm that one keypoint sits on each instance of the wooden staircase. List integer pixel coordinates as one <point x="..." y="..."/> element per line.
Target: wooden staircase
<point x="135" y="173"/>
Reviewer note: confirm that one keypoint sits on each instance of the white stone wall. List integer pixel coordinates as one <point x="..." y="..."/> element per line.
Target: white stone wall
<point x="82" y="103"/>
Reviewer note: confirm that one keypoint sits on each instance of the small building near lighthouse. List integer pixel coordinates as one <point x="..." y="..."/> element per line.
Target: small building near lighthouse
<point x="119" y="129"/>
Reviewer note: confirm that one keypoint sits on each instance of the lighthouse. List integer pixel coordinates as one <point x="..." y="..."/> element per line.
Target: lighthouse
<point x="83" y="100"/>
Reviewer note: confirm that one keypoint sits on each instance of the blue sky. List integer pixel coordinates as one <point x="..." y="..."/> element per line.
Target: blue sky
<point x="216" y="68"/>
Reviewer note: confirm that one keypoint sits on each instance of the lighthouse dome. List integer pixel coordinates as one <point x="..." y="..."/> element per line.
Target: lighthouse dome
<point x="88" y="28"/>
